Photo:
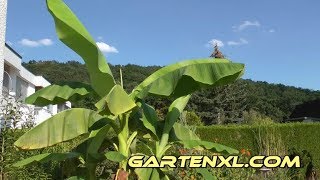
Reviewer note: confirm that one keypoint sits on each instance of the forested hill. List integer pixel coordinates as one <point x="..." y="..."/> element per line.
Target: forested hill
<point x="213" y="105"/>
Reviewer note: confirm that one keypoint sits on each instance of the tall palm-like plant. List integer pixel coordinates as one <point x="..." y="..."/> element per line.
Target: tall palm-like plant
<point x="132" y="120"/>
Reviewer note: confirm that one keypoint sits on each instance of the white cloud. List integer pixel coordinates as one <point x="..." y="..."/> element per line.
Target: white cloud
<point x="36" y="43"/>
<point x="242" y="41"/>
<point x="29" y="43"/>
<point x="45" y="42"/>
<point x="272" y="31"/>
<point x="106" y="48"/>
<point x="246" y="24"/>
<point x="214" y="42"/>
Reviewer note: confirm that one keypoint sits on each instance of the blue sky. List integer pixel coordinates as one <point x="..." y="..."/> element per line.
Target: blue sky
<point x="277" y="40"/>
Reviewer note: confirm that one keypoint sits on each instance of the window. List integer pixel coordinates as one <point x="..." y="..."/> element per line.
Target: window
<point x="6" y="80"/>
<point x="62" y="107"/>
<point x="21" y="88"/>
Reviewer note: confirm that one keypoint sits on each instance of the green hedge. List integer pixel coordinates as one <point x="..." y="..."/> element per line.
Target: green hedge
<point x="301" y="136"/>
<point x="50" y="170"/>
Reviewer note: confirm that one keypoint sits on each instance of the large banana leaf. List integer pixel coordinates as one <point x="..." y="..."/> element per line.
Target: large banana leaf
<point x="117" y="101"/>
<point x="151" y="121"/>
<point x="98" y="136"/>
<point x="188" y="76"/>
<point x="63" y="126"/>
<point x="189" y="139"/>
<point x="181" y="133"/>
<point x="175" y="111"/>
<point x="73" y="34"/>
<point x="57" y="94"/>
<point x="46" y="157"/>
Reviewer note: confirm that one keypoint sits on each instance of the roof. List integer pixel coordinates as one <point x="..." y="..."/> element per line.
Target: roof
<point x="300" y="119"/>
<point x="13" y="59"/>
<point x="307" y="109"/>
<point x="15" y="52"/>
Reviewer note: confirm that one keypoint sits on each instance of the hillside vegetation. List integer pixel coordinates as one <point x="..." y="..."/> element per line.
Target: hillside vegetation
<point x="214" y="106"/>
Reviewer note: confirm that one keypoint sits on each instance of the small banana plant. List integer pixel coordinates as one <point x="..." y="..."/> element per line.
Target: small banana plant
<point x="134" y="122"/>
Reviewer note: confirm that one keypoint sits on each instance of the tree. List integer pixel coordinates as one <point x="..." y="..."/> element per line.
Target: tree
<point x="221" y="104"/>
<point x="217" y="53"/>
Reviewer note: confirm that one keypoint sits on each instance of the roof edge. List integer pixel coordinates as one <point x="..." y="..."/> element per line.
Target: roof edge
<point x="15" y="52"/>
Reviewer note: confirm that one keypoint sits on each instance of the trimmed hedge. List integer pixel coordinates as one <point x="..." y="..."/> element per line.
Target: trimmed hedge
<point x="49" y="170"/>
<point x="301" y="136"/>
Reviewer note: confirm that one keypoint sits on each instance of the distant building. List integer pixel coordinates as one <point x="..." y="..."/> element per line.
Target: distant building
<point x="306" y="112"/>
<point x="19" y="82"/>
<point x="16" y="81"/>
<point x="303" y="119"/>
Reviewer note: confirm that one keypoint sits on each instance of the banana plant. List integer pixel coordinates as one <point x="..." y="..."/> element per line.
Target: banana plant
<point x="165" y="133"/>
<point x="125" y="114"/>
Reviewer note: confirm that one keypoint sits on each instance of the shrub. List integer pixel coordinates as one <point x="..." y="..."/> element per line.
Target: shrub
<point x="254" y="117"/>
<point x="300" y="136"/>
<point x="190" y="118"/>
<point x="14" y="118"/>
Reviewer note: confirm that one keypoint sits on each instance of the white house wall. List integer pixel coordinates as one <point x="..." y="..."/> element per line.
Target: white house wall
<point x="68" y="104"/>
<point x="3" y="18"/>
<point x="17" y="70"/>
<point x="12" y="58"/>
<point x="40" y="81"/>
<point x="42" y="115"/>
<point x="13" y="78"/>
<point x="31" y="89"/>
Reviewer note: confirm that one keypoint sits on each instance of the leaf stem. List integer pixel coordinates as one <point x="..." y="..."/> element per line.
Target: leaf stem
<point x="163" y="143"/>
<point x="123" y="138"/>
<point x="121" y="80"/>
<point x="91" y="168"/>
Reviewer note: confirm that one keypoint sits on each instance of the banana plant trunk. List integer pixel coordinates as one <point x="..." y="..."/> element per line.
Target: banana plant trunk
<point x="123" y="139"/>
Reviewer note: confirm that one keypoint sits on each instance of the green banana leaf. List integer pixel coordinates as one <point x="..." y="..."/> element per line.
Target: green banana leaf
<point x="183" y="78"/>
<point x="73" y="34"/>
<point x="175" y="111"/>
<point x="150" y="174"/>
<point x="97" y="138"/>
<point x="114" y="156"/>
<point x="189" y="140"/>
<point x="144" y="173"/>
<point x="150" y="119"/>
<point x="46" y="157"/>
<point x="215" y="147"/>
<point x="162" y="129"/>
<point x="181" y="132"/>
<point x="57" y="94"/>
<point x="117" y="101"/>
<point x="63" y="126"/>
<point x="145" y="147"/>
